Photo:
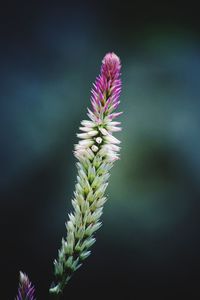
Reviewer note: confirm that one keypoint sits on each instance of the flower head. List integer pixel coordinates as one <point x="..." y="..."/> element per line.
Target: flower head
<point x="96" y="151"/>
<point x="26" y="290"/>
<point x="107" y="88"/>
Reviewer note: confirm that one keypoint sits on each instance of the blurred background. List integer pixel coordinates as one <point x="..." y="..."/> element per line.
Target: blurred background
<point x="50" y="54"/>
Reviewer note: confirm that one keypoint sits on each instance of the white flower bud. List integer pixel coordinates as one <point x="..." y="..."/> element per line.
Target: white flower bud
<point x="86" y="143"/>
<point x="114" y="128"/>
<point x="94" y="148"/>
<point x="85" y="129"/>
<point x="92" y="133"/>
<point x="103" y="131"/>
<point x="111" y="139"/>
<point x="87" y="123"/>
<point x="98" y="140"/>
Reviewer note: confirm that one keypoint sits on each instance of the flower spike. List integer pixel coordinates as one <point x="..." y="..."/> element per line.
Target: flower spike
<point x="26" y="290"/>
<point x="96" y="152"/>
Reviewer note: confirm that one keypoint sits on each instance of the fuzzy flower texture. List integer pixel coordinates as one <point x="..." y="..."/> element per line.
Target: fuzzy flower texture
<point x="26" y="290"/>
<point x="96" y="152"/>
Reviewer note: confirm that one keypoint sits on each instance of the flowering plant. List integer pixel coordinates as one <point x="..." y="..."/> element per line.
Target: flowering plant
<point x="96" y="152"/>
<point x="26" y="290"/>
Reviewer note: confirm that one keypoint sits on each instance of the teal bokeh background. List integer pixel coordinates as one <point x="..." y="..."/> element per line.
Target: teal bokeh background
<point x="49" y="58"/>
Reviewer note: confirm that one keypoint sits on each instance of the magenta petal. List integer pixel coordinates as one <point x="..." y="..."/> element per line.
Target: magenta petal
<point x="115" y="115"/>
<point x="107" y="87"/>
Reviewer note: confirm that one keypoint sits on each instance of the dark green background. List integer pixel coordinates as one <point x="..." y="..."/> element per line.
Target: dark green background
<point x="50" y="54"/>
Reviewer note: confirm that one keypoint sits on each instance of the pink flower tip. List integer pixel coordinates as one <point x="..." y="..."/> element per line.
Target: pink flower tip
<point x="111" y="63"/>
<point x="107" y="88"/>
<point x="111" y="58"/>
